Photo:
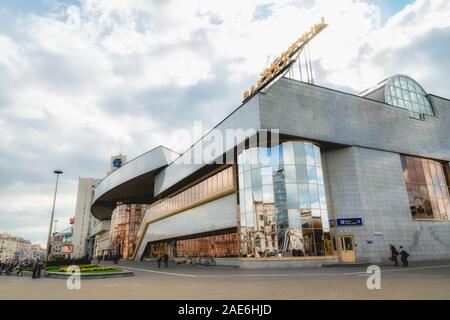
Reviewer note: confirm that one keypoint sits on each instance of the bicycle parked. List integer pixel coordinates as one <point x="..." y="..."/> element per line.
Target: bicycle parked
<point x="202" y="261"/>
<point x="190" y="261"/>
<point x="207" y="261"/>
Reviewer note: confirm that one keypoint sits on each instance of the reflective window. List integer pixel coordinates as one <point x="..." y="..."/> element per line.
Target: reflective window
<point x="405" y="93"/>
<point x="427" y="186"/>
<point x="222" y="246"/>
<point x="288" y="215"/>
<point x="125" y="222"/>
<point x="204" y="189"/>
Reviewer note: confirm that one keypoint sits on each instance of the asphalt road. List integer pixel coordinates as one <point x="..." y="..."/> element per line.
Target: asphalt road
<point x="424" y="281"/>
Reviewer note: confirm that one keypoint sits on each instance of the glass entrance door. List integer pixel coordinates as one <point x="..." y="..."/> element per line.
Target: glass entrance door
<point x="346" y="248"/>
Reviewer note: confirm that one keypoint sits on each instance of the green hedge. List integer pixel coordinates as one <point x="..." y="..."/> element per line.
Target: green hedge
<point x="59" y="262"/>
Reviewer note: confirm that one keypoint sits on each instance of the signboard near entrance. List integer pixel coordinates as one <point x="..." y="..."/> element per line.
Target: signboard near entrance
<point x="349" y="222"/>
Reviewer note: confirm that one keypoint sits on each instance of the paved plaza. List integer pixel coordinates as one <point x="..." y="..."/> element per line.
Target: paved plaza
<point x="419" y="281"/>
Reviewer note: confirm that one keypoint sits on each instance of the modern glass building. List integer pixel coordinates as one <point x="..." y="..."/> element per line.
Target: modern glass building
<point x="346" y="176"/>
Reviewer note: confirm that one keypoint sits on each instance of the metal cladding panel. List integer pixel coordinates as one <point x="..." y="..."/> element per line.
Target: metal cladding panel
<point x="245" y="117"/>
<point x="323" y="114"/>
<point x="215" y="215"/>
<point x="377" y="95"/>
<point x="142" y="168"/>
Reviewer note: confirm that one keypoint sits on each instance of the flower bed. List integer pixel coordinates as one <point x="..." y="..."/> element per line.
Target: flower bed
<point x="88" y="268"/>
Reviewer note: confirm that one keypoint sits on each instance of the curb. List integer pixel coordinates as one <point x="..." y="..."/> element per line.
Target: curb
<point x="63" y="275"/>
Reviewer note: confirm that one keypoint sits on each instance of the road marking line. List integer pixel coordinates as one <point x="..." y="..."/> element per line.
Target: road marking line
<point x="398" y="269"/>
<point x="358" y="273"/>
<point x="111" y="285"/>
<point x="328" y="274"/>
<point x="161" y="272"/>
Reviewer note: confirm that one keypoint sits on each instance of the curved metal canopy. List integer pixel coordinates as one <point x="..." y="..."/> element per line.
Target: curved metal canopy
<point x="131" y="183"/>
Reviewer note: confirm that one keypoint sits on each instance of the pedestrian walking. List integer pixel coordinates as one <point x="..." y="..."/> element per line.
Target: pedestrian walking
<point x="166" y="260"/>
<point x="404" y="256"/>
<point x="35" y="268"/>
<point x="158" y="259"/>
<point x="20" y="268"/>
<point x="9" y="268"/>
<point x="394" y="255"/>
<point x="39" y="269"/>
<point x="98" y="259"/>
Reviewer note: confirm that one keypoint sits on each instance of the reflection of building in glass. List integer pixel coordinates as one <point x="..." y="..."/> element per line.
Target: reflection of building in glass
<point x="125" y="222"/>
<point x="290" y="175"/>
<point x="282" y="222"/>
<point x="220" y="246"/>
<point x="217" y="246"/>
<point x="427" y="187"/>
<point x="346" y="177"/>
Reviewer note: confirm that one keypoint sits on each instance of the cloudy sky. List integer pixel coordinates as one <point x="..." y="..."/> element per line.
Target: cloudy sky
<point x="82" y="80"/>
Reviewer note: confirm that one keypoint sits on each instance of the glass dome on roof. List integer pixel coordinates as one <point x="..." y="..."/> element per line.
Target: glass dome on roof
<point x="403" y="92"/>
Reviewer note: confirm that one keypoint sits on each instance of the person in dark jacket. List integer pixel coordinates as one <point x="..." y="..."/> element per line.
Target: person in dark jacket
<point x="158" y="259"/>
<point x="404" y="256"/>
<point x="40" y="267"/>
<point x="20" y="268"/>
<point x="35" y="267"/>
<point x="166" y="260"/>
<point x="9" y="268"/>
<point x="394" y="255"/>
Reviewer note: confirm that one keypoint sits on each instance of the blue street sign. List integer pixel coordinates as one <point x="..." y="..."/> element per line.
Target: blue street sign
<point x="349" y="222"/>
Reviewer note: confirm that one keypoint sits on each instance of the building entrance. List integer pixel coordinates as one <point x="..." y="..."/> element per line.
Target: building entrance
<point x="345" y="246"/>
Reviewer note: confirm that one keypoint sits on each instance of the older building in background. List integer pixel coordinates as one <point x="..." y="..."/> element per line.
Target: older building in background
<point x="61" y="245"/>
<point x="91" y="236"/>
<point x="84" y="221"/>
<point x="12" y="247"/>
<point x="100" y="234"/>
<point x="37" y="252"/>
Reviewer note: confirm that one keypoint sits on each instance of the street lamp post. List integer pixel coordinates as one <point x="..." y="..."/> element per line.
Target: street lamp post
<point x="57" y="172"/>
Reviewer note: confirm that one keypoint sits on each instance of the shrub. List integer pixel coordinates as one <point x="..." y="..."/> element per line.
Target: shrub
<point x="58" y="262"/>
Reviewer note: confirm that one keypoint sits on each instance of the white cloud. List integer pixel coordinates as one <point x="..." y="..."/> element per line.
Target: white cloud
<point x="82" y="82"/>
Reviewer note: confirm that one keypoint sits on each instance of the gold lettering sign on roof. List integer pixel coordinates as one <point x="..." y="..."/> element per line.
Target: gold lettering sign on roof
<point x="285" y="59"/>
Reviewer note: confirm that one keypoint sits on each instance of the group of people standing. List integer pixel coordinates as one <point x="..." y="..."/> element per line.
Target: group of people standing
<point x="162" y="257"/>
<point x="403" y="256"/>
<point x="9" y="266"/>
<point x="38" y="266"/>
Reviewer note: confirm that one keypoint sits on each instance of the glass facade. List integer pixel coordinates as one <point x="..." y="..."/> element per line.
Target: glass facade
<point x="403" y="92"/>
<point x="221" y="246"/>
<point x="125" y="223"/>
<point x="215" y="184"/>
<point x="282" y="200"/>
<point x="217" y="246"/>
<point x="427" y="185"/>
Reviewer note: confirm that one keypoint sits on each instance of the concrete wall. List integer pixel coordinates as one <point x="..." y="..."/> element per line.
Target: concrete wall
<point x="323" y="114"/>
<point x="83" y="218"/>
<point x="369" y="184"/>
<point x="245" y="117"/>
